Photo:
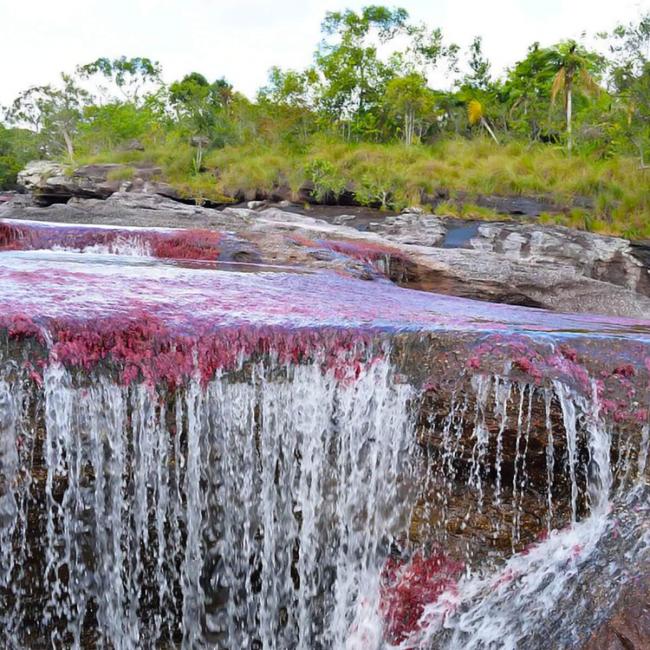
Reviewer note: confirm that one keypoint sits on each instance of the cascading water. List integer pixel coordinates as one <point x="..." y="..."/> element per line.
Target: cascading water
<point x="262" y="503"/>
<point x="397" y="472"/>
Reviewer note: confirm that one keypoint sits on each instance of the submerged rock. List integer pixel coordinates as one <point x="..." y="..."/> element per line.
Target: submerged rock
<point x="628" y="627"/>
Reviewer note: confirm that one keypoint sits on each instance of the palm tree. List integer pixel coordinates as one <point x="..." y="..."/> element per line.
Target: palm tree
<point x="475" y="115"/>
<point x="573" y="65"/>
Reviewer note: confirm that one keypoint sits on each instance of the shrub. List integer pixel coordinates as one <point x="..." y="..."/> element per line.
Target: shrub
<point x="328" y="183"/>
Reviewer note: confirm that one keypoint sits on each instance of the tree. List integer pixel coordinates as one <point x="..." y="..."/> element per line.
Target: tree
<point x="426" y="50"/>
<point x="289" y="87"/>
<point x="202" y="107"/>
<point x="574" y="69"/>
<point x="289" y="99"/>
<point x="475" y="115"/>
<point x="353" y="77"/>
<point x="409" y="99"/>
<point x="17" y="147"/>
<point x="526" y="92"/>
<point x="128" y="76"/>
<point x="53" y="112"/>
<point x="108" y="125"/>
<point x="479" y="77"/>
<point x="630" y="80"/>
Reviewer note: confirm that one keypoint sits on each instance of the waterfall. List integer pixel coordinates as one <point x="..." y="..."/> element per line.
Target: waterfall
<point x="260" y="509"/>
<point x="245" y="512"/>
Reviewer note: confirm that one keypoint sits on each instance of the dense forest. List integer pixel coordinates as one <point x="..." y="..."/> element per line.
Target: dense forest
<point x="565" y="120"/>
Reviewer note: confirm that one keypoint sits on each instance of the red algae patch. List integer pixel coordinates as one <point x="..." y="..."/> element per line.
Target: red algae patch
<point x="376" y="255"/>
<point x="408" y="586"/>
<point x="162" y="322"/>
<point x="144" y="348"/>
<point x="164" y="243"/>
<point x="11" y="237"/>
<point x="189" y="244"/>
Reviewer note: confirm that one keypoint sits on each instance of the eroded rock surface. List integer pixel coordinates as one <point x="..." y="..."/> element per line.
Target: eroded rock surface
<point x="150" y="375"/>
<point x="51" y="182"/>
<point x="629" y="625"/>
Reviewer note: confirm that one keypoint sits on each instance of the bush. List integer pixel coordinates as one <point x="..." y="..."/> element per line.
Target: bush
<point x="329" y="184"/>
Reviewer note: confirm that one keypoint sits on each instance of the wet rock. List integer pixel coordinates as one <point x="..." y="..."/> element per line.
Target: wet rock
<point x="6" y="196"/>
<point x="487" y="386"/>
<point x="518" y="205"/>
<point x="628" y="628"/>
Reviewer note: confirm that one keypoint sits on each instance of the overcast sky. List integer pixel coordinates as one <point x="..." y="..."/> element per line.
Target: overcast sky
<point x="242" y="39"/>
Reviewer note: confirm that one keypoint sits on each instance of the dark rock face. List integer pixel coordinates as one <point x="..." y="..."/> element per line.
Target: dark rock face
<point x="51" y="183"/>
<point x="629" y="625"/>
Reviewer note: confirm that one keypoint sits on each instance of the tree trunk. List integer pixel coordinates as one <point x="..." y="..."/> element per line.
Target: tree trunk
<point x="198" y="159"/>
<point x="642" y="163"/>
<point x="569" y="110"/>
<point x="68" y="144"/>
<point x="486" y="126"/>
<point x="409" y="126"/>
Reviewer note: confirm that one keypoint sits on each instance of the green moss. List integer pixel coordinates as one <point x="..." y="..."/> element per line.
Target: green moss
<point x="121" y="174"/>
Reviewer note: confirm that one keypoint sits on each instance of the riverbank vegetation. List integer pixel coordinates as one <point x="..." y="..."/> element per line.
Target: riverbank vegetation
<point x="566" y="122"/>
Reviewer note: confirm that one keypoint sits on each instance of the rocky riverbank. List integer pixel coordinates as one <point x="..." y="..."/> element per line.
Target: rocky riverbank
<point x="478" y="361"/>
<point x="513" y="262"/>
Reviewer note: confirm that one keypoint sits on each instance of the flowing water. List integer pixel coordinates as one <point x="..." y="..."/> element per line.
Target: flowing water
<point x="306" y="488"/>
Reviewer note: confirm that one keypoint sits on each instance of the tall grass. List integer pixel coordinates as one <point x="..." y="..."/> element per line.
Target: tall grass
<point x="394" y="175"/>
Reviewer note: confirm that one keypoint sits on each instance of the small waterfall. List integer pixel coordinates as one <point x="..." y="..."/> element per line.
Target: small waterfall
<point x="288" y="505"/>
<point x="242" y="513"/>
<point x="536" y="597"/>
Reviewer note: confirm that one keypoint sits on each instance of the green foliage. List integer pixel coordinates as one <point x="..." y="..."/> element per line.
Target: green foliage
<point x="121" y="174"/>
<point x="336" y="124"/>
<point x="410" y="101"/>
<point x="17" y="147"/>
<point x="328" y="183"/>
<point x="479" y="76"/>
<point x="465" y="210"/>
<point x="352" y="75"/>
<point x="111" y="125"/>
<point x="629" y="71"/>
<point x="53" y="112"/>
<point x="128" y="76"/>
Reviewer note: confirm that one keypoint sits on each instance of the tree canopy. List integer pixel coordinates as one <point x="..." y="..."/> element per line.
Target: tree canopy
<point x="369" y="81"/>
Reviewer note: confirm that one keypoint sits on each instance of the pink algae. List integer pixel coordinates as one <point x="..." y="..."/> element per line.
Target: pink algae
<point x="189" y="244"/>
<point x="163" y="243"/>
<point x="143" y="347"/>
<point x="162" y="322"/>
<point x="10" y="237"/>
<point x="625" y="370"/>
<point x="407" y="586"/>
<point x="372" y="253"/>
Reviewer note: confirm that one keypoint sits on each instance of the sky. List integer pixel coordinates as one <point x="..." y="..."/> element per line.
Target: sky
<point x="240" y="40"/>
